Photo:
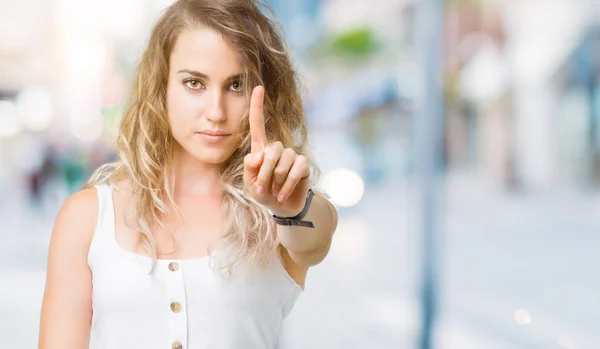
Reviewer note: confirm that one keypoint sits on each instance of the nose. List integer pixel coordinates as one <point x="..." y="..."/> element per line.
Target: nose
<point x="216" y="111"/>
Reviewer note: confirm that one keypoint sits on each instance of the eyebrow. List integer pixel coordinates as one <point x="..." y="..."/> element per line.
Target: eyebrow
<point x="205" y="77"/>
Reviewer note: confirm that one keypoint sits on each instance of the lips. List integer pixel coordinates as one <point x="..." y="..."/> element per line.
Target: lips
<point x="212" y="136"/>
<point x="214" y="133"/>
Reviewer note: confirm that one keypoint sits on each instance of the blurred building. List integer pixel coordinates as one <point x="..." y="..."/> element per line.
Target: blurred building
<point x="577" y="80"/>
<point x="503" y="102"/>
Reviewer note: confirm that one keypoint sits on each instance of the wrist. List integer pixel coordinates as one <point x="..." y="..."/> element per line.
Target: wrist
<point x="296" y="213"/>
<point x="284" y="212"/>
<point x="295" y="219"/>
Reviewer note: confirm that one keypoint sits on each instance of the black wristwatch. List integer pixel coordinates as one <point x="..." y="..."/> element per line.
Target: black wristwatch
<point x="297" y="219"/>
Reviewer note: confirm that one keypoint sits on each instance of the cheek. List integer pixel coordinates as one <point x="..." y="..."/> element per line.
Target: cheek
<point x="178" y="108"/>
<point x="237" y="110"/>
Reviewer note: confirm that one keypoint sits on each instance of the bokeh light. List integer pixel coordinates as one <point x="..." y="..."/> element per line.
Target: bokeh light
<point x="9" y="119"/>
<point x="522" y="317"/>
<point x="35" y="108"/>
<point x="346" y="187"/>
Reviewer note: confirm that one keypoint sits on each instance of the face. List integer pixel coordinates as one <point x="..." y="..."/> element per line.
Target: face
<point x="205" y="97"/>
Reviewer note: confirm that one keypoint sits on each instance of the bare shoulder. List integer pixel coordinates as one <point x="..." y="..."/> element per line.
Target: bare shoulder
<point x="77" y="218"/>
<point x="81" y="207"/>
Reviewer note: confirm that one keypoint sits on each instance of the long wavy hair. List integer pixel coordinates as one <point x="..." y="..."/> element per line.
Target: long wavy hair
<point x="145" y="143"/>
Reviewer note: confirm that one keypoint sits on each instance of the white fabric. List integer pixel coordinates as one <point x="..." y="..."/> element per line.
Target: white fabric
<point x="132" y="307"/>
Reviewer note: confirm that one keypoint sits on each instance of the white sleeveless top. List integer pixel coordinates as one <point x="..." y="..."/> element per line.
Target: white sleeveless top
<point x="182" y="304"/>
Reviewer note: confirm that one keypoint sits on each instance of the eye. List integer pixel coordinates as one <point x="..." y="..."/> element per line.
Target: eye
<point x="236" y="87"/>
<point x="193" y="84"/>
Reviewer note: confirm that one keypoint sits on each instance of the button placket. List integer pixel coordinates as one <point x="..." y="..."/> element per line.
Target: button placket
<point x="176" y="298"/>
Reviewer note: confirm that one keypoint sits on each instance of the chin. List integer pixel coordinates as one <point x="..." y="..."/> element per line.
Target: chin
<point x="213" y="156"/>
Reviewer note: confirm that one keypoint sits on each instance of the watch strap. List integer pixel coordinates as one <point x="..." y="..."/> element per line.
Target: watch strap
<point x="297" y="219"/>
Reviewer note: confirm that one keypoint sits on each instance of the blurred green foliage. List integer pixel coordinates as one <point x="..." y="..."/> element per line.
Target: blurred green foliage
<point x="357" y="42"/>
<point x="352" y="44"/>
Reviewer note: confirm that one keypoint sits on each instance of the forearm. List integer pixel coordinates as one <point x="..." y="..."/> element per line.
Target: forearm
<point x="308" y="246"/>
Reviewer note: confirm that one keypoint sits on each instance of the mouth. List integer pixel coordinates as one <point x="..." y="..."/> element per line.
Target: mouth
<point x="214" y="133"/>
<point x="210" y="136"/>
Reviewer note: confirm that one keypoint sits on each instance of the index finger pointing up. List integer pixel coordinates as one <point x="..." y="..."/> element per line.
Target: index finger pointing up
<point x="257" y="120"/>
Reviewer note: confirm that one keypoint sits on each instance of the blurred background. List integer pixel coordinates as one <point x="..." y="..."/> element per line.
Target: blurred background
<point x="515" y="262"/>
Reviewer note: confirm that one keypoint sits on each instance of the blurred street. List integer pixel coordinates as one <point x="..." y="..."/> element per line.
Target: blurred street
<point x="504" y="94"/>
<point x="364" y="294"/>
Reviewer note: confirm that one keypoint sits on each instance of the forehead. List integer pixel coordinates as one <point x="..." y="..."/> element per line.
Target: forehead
<point x="206" y="51"/>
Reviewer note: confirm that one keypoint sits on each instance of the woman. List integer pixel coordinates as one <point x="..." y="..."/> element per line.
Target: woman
<point x="182" y="242"/>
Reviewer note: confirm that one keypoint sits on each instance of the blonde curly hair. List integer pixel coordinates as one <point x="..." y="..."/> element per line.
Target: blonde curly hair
<point x="145" y="143"/>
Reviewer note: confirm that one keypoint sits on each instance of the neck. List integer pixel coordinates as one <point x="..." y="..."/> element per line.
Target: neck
<point x="194" y="177"/>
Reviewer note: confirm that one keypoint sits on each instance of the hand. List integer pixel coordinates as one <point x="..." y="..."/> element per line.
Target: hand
<point x="274" y="176"/>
